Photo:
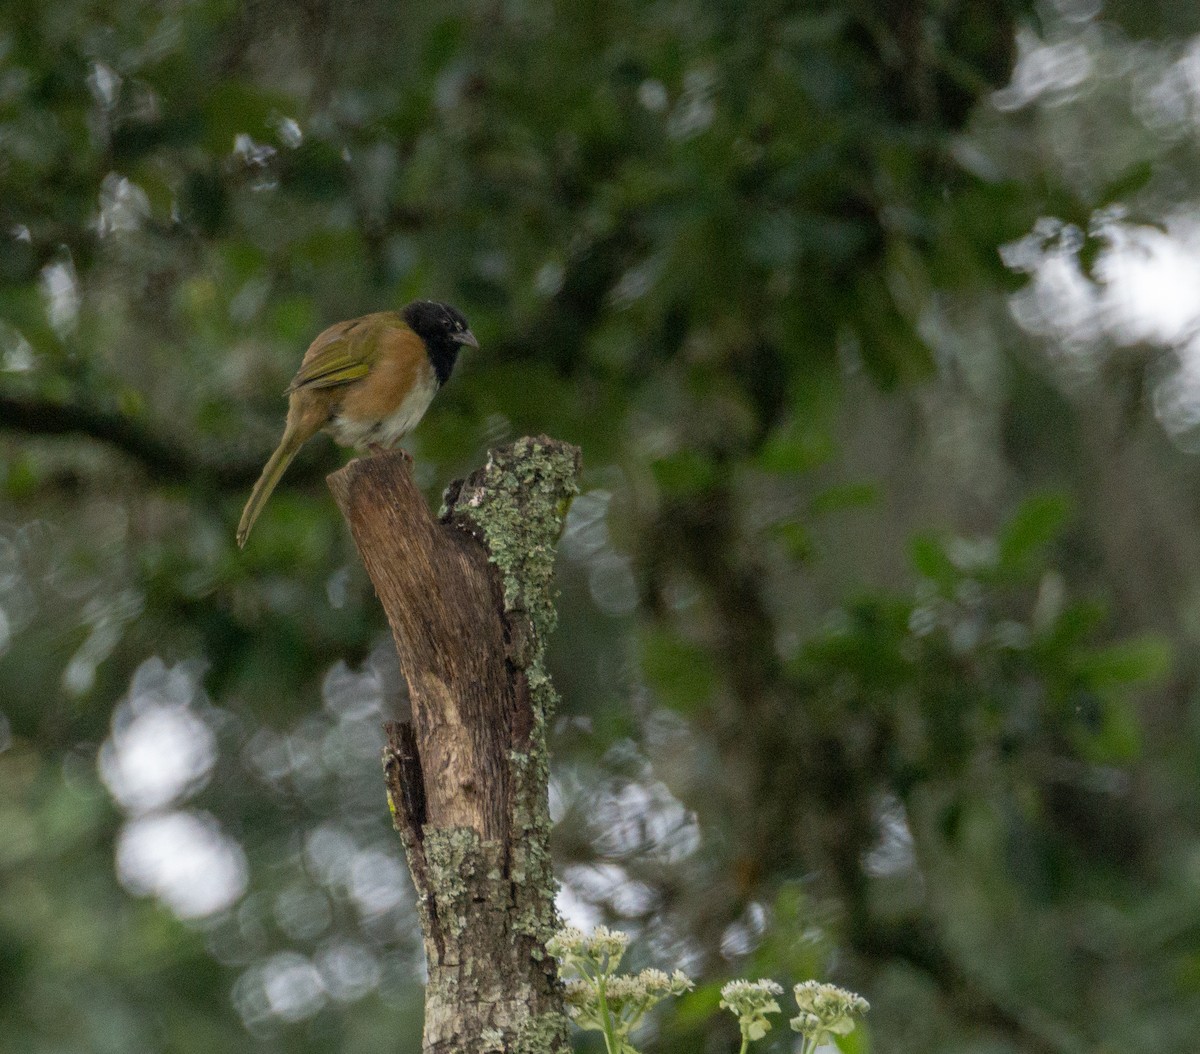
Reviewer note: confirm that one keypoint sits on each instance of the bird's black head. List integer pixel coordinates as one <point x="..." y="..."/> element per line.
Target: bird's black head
<point x="444" y="331"/>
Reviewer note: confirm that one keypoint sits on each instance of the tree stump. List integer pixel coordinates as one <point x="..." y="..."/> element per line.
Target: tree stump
<point x="468" y="597"/>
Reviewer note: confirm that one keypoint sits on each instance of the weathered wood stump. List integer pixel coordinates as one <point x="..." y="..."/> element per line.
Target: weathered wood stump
<point x="468" y="597"/>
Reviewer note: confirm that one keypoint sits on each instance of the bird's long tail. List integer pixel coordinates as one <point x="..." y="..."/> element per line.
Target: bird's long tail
<point x="271" y="473"/>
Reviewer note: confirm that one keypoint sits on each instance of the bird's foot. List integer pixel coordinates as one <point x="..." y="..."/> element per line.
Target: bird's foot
<point x="379" y="448"/>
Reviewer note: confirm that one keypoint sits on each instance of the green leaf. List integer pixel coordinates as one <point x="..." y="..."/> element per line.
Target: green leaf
<point x="1073" y="627"/>
<point x="685" y="472"/>
<point x="680" y="671"/>
<point x="236" y="107"/>
<point x="1131" y="662"/>
<point x="442" y="42"/>
<point x="21" y="479"/>
<point x="856" y="1042"/>
<point x="796" y="539"/>
<point x="890" y="347"/>
<point x="315" y="170"/>
<point x="695" y="1008"/>
<point x="1035" y="524"/>
<point x="799" y="446"/>
<point x="1128" y="183"/>
<point x="293" y="319"/>
<point x="930" y="559"/>
<point x="844" y="496"/>
<point x="1118" y="740"/>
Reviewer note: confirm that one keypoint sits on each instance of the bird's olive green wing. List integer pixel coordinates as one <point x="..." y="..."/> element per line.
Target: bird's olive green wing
<point x="344" y="352"/>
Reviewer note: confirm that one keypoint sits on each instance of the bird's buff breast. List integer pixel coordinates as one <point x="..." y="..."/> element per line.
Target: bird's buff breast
<point x="389" y="430"/>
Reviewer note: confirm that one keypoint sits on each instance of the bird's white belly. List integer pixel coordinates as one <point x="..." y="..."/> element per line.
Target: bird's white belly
<point x="388" y="431"/>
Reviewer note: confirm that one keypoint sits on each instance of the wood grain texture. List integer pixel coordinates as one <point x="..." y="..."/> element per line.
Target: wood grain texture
<point x="468" y="601"/>
<point x="442" y="601"/>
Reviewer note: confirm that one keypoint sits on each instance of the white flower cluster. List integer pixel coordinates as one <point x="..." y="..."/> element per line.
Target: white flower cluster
<point x="602" y="946"/>
<point x="751" y="1002"/>
<point x="825" y="1011"/>
<point x="614" y="1004"/>
<point x="597" y="996"/>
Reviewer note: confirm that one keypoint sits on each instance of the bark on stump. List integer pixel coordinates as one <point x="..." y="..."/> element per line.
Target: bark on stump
<point x="469" y="601"/>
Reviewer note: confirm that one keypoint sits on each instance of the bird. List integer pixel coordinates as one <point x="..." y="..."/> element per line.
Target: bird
<point x="367" y="382"/>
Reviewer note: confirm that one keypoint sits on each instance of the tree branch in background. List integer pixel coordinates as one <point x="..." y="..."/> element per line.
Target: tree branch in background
<point x="469" y="602"/>
<point x="163" y="460"/>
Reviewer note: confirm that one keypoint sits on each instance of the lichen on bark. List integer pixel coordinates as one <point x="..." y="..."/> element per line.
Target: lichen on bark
<point x="517" y="505"/>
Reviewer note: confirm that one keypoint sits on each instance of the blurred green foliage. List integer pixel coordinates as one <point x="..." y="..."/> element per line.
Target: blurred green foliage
<point x="876" y="621"/>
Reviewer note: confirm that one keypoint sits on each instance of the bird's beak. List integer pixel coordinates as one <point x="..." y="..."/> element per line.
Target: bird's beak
<point x="466" y="337"/>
